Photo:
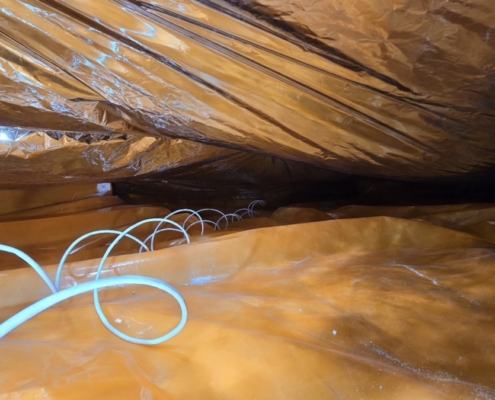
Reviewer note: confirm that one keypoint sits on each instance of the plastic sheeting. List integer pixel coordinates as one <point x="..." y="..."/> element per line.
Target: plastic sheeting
<point x="378" y="304"/>
<point x="179" y="168"/>
<point x="391" y="89"/>
<point x="22" y="200"/>
<point x="58" y="157"/>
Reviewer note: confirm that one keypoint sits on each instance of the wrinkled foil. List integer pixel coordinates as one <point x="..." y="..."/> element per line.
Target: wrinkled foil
<point x="108" y="90"/>
<point x="54" y="157"/>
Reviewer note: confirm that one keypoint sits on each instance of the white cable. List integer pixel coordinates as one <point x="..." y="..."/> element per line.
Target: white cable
<point x="41" y="272"/>
<point x="62" y="295"/>
<point x="80" y="239"/>
<point x="99" y="311"/>
<point x="152" y="245"/>
<point x="42" y="305"/>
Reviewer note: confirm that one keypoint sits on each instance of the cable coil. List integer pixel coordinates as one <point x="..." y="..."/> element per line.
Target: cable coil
<point x="60" y="295"/>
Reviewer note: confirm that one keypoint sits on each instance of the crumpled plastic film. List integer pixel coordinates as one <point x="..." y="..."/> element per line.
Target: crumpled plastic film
<point x="373" y="307"/>
<point x="50" y="158"/>
<point x="391" y="90"/>
<point x="174" y="169"/>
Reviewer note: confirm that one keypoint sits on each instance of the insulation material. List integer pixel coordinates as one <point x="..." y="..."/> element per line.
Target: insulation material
<point x="402" y="90"/>
<point x="375" y="307"/>
<point x="178" y="168"/>
<point x="51" y="158"/>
